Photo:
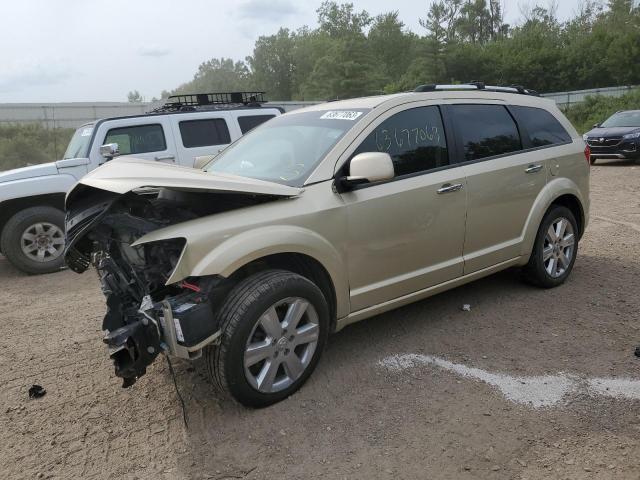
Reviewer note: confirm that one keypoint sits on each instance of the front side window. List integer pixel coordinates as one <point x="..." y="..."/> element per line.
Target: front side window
<point x="541" y="127"/>
<point x="137" y="139"/>
<point x="204" y="133"/>
<point x="486" y="130"/>
<point x="287" y="148"/>
<point x="249" y="122"/>
<point x="414" y="138"/>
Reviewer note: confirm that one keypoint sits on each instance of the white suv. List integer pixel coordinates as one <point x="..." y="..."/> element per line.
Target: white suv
<point x="187" y="130"/>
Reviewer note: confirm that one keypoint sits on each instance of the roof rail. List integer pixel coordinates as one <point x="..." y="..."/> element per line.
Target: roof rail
<point x="191" y="101"/>
<point x="476" y="85"/>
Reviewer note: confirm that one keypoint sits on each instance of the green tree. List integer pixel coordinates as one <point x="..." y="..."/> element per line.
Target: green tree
<point x="272" y="64"/>
<point x="134" y="96"/>
<point x="218" y="75"/>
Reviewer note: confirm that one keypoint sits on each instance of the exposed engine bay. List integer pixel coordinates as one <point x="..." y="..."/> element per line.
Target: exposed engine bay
<point x="144" y="315"/>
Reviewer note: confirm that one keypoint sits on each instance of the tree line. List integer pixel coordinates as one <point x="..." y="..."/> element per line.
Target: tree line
<point x="352" y="53"/>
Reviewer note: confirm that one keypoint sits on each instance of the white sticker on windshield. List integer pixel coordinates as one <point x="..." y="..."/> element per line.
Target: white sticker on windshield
<point x="86" y="132"/>
<point x="341" y="115"/>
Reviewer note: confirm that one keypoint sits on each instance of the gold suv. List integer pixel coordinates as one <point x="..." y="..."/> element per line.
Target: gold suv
<point x="323" y="217"/>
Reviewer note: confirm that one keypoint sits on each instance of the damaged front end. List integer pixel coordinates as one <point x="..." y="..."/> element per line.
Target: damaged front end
<point x="116" y="205"/>
<point x="144" y="315"/>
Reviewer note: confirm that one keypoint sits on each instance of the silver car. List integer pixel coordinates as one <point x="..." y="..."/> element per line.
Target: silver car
<point x="323" y="217"/>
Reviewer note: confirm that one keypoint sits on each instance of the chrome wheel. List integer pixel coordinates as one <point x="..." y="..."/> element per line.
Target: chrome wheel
<point x="42" y="242"/>
<point x="559" y="247"/>
<point x="281" y="345"/>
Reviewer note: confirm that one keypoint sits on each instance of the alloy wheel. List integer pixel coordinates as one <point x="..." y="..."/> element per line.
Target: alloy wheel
<point x="281" y="345"/>
<point x="559" y="247"/>
<point x="42" y="242"/>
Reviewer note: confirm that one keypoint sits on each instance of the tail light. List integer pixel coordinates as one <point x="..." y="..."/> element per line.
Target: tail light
<point x="587" y="154"/>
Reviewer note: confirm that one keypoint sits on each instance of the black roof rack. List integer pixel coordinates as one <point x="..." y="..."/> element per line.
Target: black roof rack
<point x="476" y="85"/>
<point x="210" y="101"/>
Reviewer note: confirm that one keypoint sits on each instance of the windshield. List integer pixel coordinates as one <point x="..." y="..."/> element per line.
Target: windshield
<point x="79" y="144"/>
<point x="623" y="119"/>
<point x="288" y="148"/>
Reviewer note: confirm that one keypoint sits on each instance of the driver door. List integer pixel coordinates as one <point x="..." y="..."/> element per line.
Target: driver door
<point x="406" y="234"/>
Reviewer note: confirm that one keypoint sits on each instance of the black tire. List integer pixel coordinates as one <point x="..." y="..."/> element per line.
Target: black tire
<point x="10" y="240"/>
<point x="240" y="313"/>
<point x="592" y="160"/>
<point x="535" y="271"/>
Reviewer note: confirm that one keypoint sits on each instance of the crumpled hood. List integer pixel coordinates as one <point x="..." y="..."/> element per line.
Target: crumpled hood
<point x="611" y="131"/>
<point x="29" y="172"/>
<point x="127" y="174"/>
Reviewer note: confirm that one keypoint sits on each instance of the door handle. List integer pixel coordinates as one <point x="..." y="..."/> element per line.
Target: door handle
<point x="533" y="168"/>
<point x="447" y="188"/>
<point x="166" y="157"/>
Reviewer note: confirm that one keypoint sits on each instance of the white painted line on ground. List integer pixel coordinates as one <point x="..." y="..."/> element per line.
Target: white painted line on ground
<point x="543" y="391"/>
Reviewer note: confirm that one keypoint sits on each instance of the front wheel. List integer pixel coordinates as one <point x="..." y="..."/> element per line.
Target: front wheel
<point x="274" y="327"/>
<point x="33" y="240"/>
<point x="555" y="248"/>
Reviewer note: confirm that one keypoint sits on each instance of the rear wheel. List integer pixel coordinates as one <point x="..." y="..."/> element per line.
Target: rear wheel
<point x="33" y="240"/>
<point x="555" y="249"/>
<point x="274" y="327"/>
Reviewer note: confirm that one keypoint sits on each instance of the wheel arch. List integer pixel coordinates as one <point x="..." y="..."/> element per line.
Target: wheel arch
<point x="561" y="191"/>
<point x="299" y="263"/>
<point x="9" y="208"/>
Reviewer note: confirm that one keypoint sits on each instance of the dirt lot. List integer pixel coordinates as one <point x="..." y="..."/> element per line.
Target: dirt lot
<point x="460" y="400"/>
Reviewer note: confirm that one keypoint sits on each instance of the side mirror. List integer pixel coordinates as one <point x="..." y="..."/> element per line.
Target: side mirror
<point x="109" y="150"/>
<point x="369" y="167"/>
<point x="202" y="161"/>
<point x="596" y="125"/>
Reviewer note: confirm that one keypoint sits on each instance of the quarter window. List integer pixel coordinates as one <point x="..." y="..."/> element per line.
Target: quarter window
<point x="486" y="130"/>
<point x="137" y="139"/>
<point x="542" y="128"/>
<point x="414" y="138"/>
<point x="204" y="133"/>
<point x="252" y="121"/>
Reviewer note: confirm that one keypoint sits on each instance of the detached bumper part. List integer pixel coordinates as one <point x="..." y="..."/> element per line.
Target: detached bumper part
<point x="132" y="348"/>
<point x="184" y="326"/>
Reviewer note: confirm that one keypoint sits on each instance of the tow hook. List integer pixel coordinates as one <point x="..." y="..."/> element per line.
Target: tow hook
<point x="133" y="347"/>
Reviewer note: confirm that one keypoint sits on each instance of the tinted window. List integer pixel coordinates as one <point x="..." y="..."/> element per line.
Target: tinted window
<point x="252" y="121"/>
<point x="138" y="139"/>
<point x="203" y="133"/>
<point x="486" y="130"/>
<point x="542" y="127"/>
<point x="414" y="138"/>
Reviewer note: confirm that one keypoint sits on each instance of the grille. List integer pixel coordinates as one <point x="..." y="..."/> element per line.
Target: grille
<point x="606" y="141"/>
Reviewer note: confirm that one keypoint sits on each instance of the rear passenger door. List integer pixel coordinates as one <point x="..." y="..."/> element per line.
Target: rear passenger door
<point x="198" y="134"/>
<point x="505" y="173"/>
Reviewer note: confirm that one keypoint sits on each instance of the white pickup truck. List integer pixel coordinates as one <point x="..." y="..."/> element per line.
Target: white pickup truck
<point x="185" y="128"/>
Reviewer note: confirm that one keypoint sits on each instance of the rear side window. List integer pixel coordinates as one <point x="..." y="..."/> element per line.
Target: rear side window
<point x="137" y="139"/>
<point x="486" y="130"/>
<point x="542" y="128"/>
<point x="414" y="138"/>
<point x="204" y="133"/>
<point x="252" y="121"/>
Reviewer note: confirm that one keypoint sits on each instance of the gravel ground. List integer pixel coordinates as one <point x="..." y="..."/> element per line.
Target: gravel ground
<point x="445" y="412"/>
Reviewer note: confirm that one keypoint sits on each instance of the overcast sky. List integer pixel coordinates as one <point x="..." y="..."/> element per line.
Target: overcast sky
<point x="98" y="50"/>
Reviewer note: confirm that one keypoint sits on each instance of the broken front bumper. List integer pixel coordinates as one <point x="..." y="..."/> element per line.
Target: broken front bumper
<point x="180" y="326"/>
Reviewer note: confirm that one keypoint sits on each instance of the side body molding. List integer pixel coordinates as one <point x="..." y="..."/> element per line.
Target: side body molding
<point x="553" y="190"/>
